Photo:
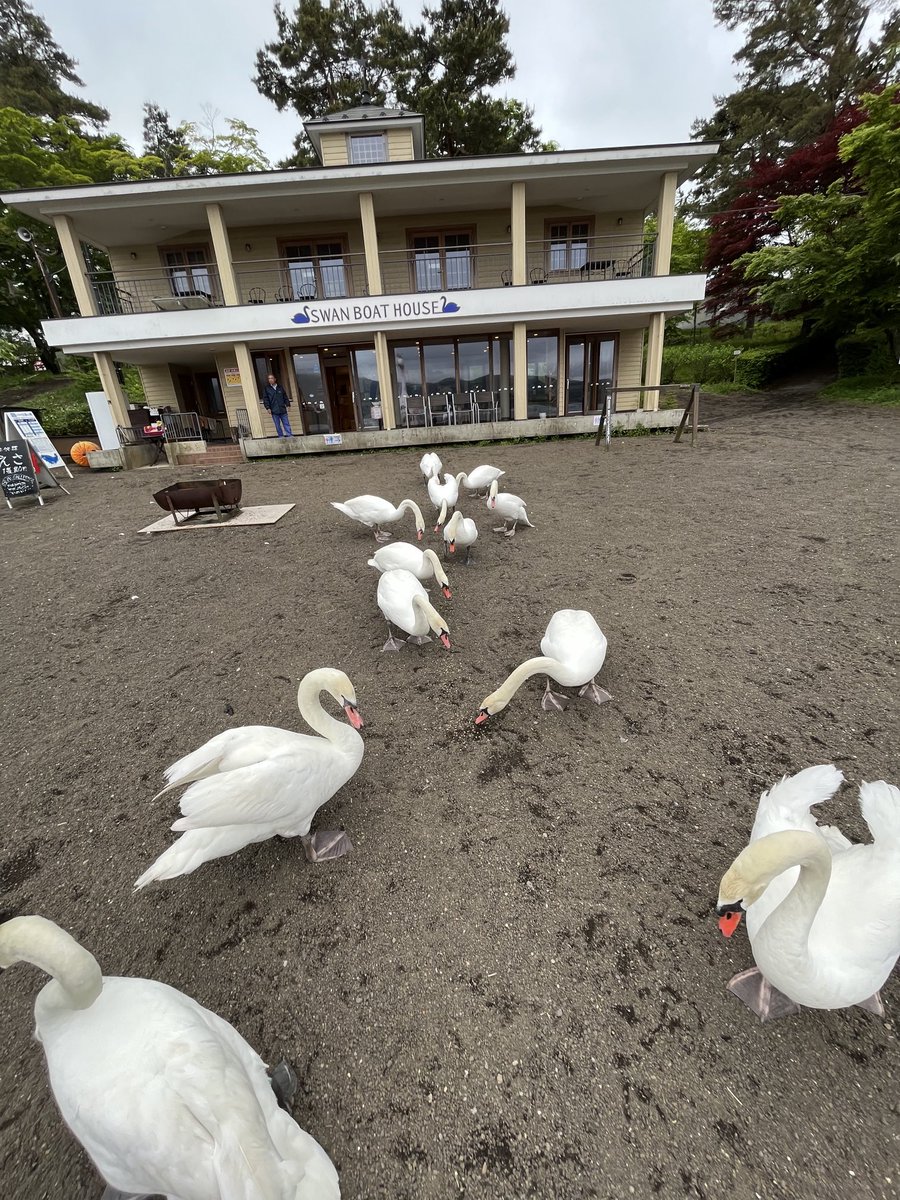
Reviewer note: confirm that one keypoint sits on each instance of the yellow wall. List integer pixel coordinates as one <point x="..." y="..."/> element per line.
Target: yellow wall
<point x="628" y="368"/>
<point x="399" y="145"/>
<point x="336" y="145"/>
<point x="158" y="385"/>
<point x="334" y="149"/>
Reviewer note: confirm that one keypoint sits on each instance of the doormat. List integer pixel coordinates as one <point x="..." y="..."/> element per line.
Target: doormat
<point x="261" y="514"/>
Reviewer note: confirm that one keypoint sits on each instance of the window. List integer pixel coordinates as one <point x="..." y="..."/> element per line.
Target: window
<point x="442" y="261"/>
<point x="367" y="148"/>
<point x="189" y="271"/>
<point x="317" y="270"/>
<point x="442" y="379"/>
<point x="568" y="245"/>
<point x="311" y="390"/>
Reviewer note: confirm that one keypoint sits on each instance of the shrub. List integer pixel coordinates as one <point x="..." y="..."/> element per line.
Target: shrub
<point x="758" y="367"/>
<point x="865" y="352"/>
<point x="696" y="364"/>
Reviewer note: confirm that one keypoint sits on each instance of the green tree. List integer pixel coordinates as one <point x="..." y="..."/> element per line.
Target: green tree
<point x="801" y="62"/>
<point x="329" y="56"/>
<point x="840" y="263"/>
<point x="33" y="68"/>
<point x="201" y="148"/>
<point x="41" y="152"/>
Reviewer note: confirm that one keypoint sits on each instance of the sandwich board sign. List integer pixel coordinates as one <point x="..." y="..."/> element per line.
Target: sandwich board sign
<point x="17" y="474"/>
<point x="24" y="424"/>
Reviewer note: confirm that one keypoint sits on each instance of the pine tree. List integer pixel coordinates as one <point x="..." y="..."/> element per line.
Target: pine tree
<point x="329" y="56"/>
<point x="33" y="69"/>
<point x="801" y="63"/>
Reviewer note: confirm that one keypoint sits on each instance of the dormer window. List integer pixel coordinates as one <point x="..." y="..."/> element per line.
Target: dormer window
<point x="367" y="148"/>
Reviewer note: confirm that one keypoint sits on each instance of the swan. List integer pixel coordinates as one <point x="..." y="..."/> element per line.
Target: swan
<point x="165" y="1096"/>
<point x="443" y="496"/>
<point x="481" y="477"/>
<point x="834" y="938"/>
<point x="424" y="564"/>
<point x="510" y="507"/>
<point x="430" y="464"/>
<point x="254" y="782"/>
<point x="460" y="531"/>
<point x="372" y="510"/>
<point x="404" y="603"/>
<point x="574" y="649"/>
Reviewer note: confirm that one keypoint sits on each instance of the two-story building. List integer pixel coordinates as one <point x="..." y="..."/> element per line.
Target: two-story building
<point x="396" y="298"/>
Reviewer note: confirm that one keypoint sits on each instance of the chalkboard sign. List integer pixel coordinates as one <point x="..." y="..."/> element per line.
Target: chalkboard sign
<point x="17" y="474"/>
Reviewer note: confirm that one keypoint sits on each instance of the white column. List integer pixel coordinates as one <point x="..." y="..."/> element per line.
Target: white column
<point x="222" y="254"/>
<point x="70" y="245"/>
<point x="665" y="223"/>
<point x="520" y="371"/>
<point x="517" y="225"/>
<point x="248" y="387"/>
<point x="370" y="242"/>
<point x="112" y="388"/>
<point x="653" y="365"/>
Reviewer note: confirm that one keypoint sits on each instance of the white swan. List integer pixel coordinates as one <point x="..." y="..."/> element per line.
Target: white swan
<point x="404" y="603"/>
<point x="424" y="564"/>
<point x="373" y="511"/>
<point x="480" y="477"/>
<point x="165" y="1096"/>
<point x="251" y="783"/>
<point x="510" y="507"/>
<point x="574" y="649"/>
<point x="833" y="940"/>
<point x="460" y="532"/>
<point x="443" y="496"/>
<point x="430" y="464"/>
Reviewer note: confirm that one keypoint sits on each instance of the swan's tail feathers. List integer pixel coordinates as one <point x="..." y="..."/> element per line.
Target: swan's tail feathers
<point x="199" y="764"/>
<point x="880" y="804"/>
<point x="797" y="793"/>
<point x="196" y="847"/>
<point x="370" y="562"/>
<point x="525" y="521"/>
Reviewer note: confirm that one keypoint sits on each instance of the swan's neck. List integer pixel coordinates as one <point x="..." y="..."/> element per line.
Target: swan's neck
<point x="35" y="940"/>
<point x="432" y="615"/>
<point x="790" y="924"/>
<point x="409" y="506"/>
<point x="317" y="718"/>
<point x="461" y="477"/>
<point x="531" y="666"/>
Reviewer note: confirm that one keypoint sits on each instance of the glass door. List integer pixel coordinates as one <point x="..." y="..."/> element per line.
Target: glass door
<point x="590" y="362"/>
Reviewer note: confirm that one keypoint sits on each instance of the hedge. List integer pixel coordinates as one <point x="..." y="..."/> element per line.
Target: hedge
<point x="865" y="352"/>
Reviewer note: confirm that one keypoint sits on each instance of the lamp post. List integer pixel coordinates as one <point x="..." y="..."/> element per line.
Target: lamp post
<point x="26" y="236"/>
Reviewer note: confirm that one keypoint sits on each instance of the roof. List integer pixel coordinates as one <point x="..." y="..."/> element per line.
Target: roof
<point x="364" y="112"/>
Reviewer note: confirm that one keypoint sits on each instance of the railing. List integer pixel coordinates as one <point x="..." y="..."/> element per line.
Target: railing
<point x="339" y="277"/>
<point x="242" y="423"/>
<point x="454" y="269"/>
<point x="128" y="435"/>
<point x="599" y="258"/>
<point x="163" y="289"/>
<point x="182" y="427"/>
<point x="285" y="281"/>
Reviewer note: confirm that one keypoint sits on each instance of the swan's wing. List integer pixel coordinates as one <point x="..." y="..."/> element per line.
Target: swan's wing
<point x="787" y="805"/>
<point x="858" y="923"/>
<point x="283" y="792"/>
<point x="230" y="749"/>
<point x="573" y="637"/>
<point x="880" y="804"/>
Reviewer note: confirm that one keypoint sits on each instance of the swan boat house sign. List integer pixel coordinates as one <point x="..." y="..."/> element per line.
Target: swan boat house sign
<point x="386" y="310"/>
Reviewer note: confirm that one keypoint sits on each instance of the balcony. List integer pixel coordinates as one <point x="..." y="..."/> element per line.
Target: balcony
<point x="429" y="269"/>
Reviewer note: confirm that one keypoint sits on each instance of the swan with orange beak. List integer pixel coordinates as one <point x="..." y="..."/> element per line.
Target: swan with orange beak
<point x="460" y="533"/>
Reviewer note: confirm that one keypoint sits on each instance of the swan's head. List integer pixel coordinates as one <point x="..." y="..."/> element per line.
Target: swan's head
<point x="338" y="685"/>
<point x="757" y="865"/>
<point x="491" y="705"/>
<point x="492" y="495"/>
<point x="440" y="627"/>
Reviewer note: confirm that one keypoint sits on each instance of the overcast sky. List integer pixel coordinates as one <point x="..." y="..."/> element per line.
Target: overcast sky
<point x="598" y="72"/>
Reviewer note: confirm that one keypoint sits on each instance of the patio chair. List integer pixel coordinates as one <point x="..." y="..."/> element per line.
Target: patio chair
<point x="416" y="411"/>
<point x="485" y="406"/>
<point x="307" y="291"/>
<point x="506" y="277"/>
<point x="440" y="410"/>
<point x="284" y="295"/>
<point x="538" y="275"/>
<point x="257" y="295"/>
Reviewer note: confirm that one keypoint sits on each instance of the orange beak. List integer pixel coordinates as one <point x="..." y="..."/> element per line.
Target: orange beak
<point x="420" y="533"/>
<point x="448" y="595"/>
<point x="353" y="715"/>
<point x="451" y="546"/>
<point x="728" y="922"/>
<point x="481" y="718"/>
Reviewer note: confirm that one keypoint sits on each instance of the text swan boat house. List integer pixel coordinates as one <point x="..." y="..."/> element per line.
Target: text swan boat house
<point x="397" y="299"/>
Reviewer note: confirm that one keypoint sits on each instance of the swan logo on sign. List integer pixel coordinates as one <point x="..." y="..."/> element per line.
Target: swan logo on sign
<point x="388" y="310"/>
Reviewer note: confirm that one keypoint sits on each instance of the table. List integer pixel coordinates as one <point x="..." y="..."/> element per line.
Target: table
<point x="183" y="301"/>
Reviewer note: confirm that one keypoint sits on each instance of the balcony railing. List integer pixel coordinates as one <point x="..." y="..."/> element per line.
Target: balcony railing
<point x="337" y="277"/>
<point x="283" y="281"/>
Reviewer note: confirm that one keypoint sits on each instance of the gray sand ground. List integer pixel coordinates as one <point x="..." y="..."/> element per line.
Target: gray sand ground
<point x="514" y="987"/>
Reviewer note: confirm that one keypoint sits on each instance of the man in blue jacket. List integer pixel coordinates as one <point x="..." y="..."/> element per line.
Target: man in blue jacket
<point x="277" y="401"/>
